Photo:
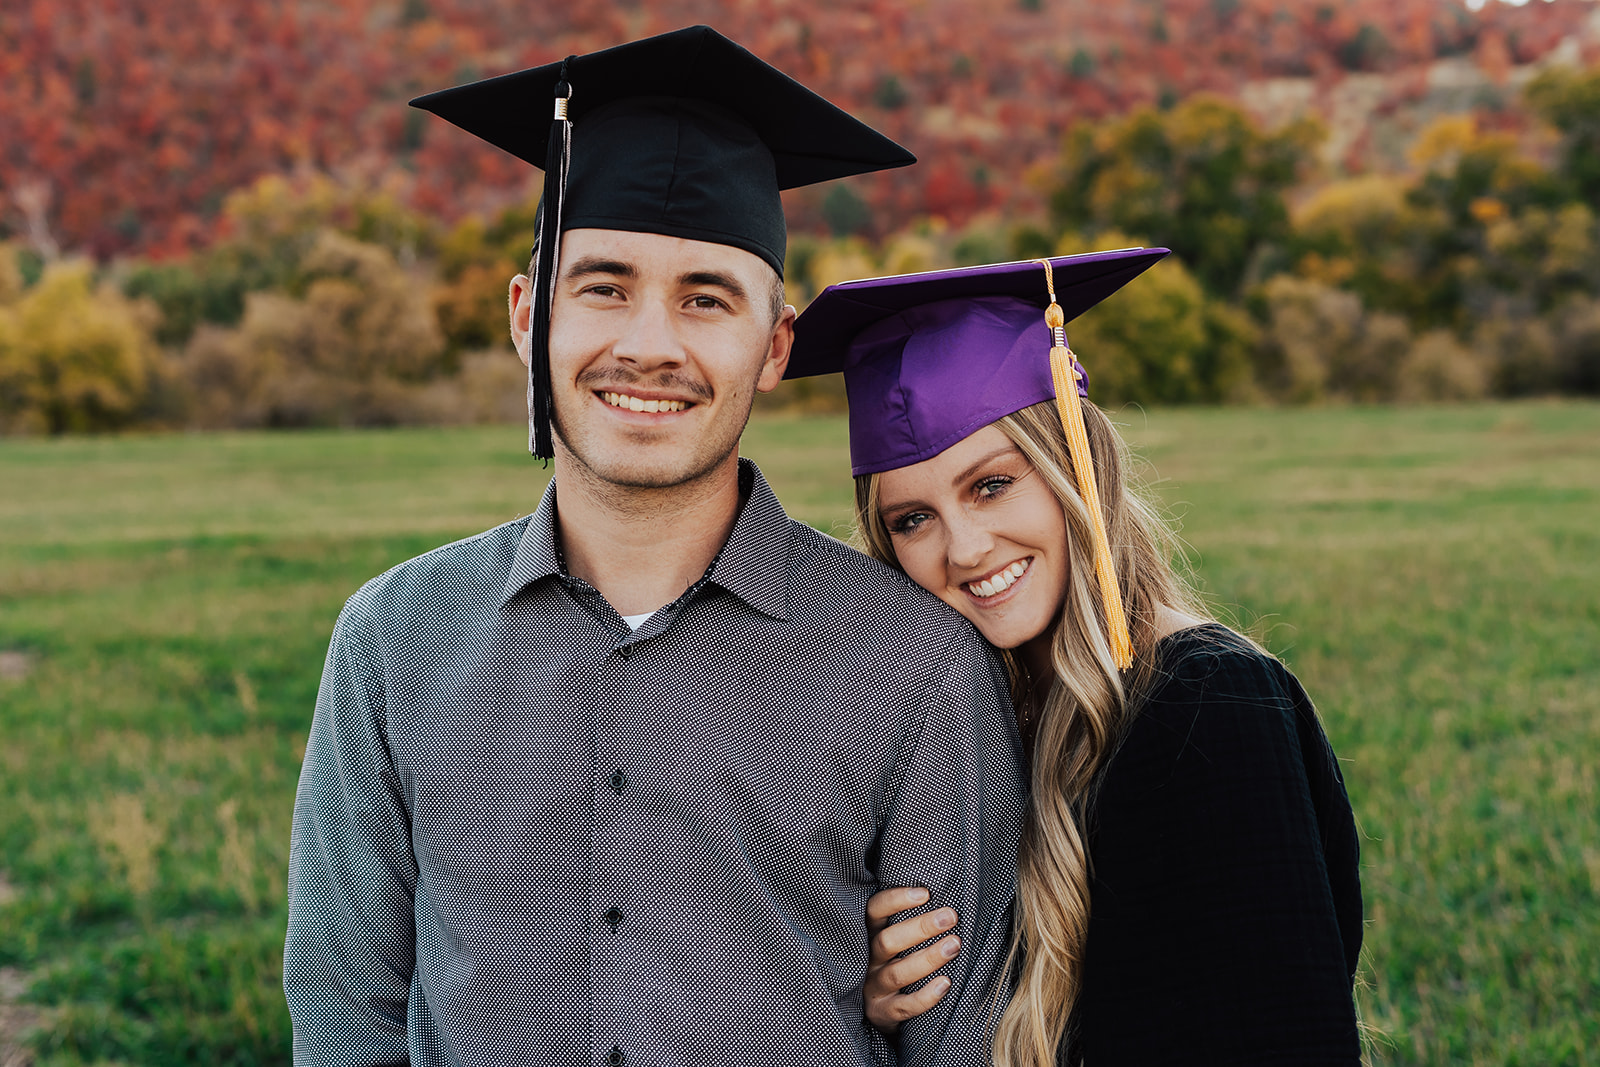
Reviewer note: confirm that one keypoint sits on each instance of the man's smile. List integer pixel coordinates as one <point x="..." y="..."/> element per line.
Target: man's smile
<point x="630" y="402"/>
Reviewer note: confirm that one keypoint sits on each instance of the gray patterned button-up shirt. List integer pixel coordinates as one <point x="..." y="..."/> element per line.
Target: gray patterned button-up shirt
<point x="525" y="834"/>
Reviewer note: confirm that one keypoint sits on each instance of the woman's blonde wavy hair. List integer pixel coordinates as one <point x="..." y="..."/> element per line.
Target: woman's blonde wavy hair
<point x="1084" y="714"/>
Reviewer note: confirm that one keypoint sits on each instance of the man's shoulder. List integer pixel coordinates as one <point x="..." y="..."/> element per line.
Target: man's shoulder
<point x="474" y="568"/>
<point x="834" y="581"/>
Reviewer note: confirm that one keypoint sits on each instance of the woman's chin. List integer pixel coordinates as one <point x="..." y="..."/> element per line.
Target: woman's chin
<point x="1008" y="634"/>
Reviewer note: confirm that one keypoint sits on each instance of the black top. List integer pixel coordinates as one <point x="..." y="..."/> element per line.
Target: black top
<point x="1225" y="914"/>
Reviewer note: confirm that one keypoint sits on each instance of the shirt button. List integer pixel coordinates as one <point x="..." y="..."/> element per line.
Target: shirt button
<point x="615" y="1057"/>
<point x="614" y="917"/>
<point x="619" y="781"/>
<point x="625" y="651"/>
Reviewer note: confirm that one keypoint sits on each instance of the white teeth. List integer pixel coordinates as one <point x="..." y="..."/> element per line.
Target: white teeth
<point x="999" y="583"/>
<point x="633" y="403"/>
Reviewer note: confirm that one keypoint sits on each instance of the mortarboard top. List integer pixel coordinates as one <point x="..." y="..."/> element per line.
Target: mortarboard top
<point x="685" y="134"/>
<point x="929" y="359"/>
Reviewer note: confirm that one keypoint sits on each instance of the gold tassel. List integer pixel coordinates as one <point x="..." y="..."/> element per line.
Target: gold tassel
<point x="1066" y="377"/>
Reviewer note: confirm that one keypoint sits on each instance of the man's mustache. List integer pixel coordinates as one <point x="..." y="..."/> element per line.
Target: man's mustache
<point x="617" y="379"/>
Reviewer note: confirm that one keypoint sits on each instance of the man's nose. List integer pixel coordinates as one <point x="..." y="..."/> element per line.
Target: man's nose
<point x="649" y="341"/>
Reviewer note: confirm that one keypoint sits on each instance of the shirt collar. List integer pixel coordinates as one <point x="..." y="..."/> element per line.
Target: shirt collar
<point x="753" y="563"/>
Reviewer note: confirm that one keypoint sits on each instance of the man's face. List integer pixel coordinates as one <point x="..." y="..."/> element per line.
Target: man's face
<point x="658" y="346"/>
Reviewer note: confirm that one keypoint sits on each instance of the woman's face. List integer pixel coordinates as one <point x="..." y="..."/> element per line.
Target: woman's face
<point x="980" y="529"/>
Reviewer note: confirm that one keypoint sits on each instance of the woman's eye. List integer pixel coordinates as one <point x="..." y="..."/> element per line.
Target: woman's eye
<point x="993" y="486"/>
<point x="908" y="522"/>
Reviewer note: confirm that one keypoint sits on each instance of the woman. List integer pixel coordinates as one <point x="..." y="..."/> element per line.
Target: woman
<point x="1188" y="890"/>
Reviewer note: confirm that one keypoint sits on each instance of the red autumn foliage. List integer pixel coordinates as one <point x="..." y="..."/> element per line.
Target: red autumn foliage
<point x="123" y="123"/>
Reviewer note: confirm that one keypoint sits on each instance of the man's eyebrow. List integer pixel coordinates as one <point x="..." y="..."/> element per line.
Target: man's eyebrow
<point x="726" y="282"/>
<point x="600" y="265"/>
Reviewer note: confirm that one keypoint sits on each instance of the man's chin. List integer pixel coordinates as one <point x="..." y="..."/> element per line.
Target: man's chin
<point x="642" y="471"/>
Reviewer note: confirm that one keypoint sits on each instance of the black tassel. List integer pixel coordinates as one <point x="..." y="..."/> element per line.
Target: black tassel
<point x="540" y="441"/>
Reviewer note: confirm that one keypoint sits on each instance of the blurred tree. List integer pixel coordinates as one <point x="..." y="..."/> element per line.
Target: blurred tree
<point x="845" y="212"/>
<point x="476" y="260"/>
<point x="268" y="229"/>
<point x="1320" y="342"/>
<point x="1578" y="346"/>
<point x="1570" y="101"/>
<point x="341" y="353"/>
<point x="74" y="356"/>
<point x="1162" y="339"/>
<point x="1202" y="179"/>
<point x="11" y="281"/>
<point x="1519" y="354"/>
<point x="1438" y="367"/>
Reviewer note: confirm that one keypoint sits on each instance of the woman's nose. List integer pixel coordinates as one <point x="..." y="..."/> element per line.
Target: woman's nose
<point x="969" y="543"/>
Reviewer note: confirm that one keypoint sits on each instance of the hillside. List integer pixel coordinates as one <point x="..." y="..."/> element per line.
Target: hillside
<point x="124" y="123"/>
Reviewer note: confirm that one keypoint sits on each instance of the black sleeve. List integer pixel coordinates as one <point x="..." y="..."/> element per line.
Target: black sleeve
<point x="1215" y="927"/>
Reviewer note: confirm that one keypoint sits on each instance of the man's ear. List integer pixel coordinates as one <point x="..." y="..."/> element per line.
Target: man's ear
<point x="519" y="297"/>
<point x="778" y="354"/>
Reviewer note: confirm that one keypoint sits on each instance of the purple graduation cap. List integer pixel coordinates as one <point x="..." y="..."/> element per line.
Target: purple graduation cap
<point x="929" y="359"/>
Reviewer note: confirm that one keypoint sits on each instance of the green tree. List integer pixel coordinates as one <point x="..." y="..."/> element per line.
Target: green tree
<point x="74" y="356"/>
<point x="844" y="211"/>
<point x="1162" y="339"/>
<point x="352" y="349"/>
<point x="1570" y="101"/>
<point x="268" y="230"/>
<point x="1202" y="179"/>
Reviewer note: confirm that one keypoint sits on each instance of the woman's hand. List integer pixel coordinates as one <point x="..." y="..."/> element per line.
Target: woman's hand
<point x="886" y="1006"/>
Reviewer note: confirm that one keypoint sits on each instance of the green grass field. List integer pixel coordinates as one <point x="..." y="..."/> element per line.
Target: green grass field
<point x="1433" y="575"/>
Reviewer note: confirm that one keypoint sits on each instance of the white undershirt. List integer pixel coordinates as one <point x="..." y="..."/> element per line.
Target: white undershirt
<point x="636" y="621"/>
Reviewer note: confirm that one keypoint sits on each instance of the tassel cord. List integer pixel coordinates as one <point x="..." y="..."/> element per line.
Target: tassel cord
<point x="558" y="152"/>
<point x="1078" y="447"/>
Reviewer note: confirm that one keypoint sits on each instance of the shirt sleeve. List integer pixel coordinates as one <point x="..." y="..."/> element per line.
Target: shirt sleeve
<point x="350" y="950"/>
<point x="952" y="824"/>
<point x="1214" y="936"/>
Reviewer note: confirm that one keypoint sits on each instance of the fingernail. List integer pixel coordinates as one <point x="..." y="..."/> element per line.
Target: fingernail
<point x="945" y="919"/>
<point x="940" y="982"/>
<point x="949" y="947"/>
<point x="919" y="896"/>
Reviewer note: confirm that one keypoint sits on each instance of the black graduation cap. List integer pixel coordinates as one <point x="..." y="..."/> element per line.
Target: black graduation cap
<point x="684" y="134"/>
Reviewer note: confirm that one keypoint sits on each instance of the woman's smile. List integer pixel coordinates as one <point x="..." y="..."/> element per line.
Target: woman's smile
<point x="989" y="591"/>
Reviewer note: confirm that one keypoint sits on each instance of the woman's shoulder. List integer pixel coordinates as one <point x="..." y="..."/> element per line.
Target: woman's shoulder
<point x="1213" y="698"/>
<point x="1212" y="663"/>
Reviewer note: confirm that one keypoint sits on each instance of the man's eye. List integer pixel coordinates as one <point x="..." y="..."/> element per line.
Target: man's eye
<point x="602" y="290"/>
<point x="706" y="302"/>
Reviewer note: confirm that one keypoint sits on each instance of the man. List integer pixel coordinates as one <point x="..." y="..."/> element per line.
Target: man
<point x="612" y="784"/>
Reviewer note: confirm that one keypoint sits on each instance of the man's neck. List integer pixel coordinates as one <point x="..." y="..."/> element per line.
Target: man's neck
<point x="641" y="548"/>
